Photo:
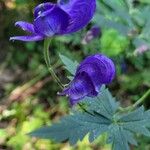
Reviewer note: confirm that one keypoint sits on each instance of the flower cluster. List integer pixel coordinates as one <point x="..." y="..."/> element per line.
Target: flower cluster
<point x="94" y="71"/>
<point x="67" y="16"/>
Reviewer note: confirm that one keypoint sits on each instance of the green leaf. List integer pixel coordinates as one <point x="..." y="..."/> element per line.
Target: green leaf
<point x="121" y="131"/>
<point x="101" y="116"/>
<point x="120" y="137"/>
<point x="137" y="121"/>
<point x="105" y="22"/>
<point x="120" y="10"/>
<point x="104" y="103"/>
<point x="116" y="5"/>
<point x="95" y="123"/>
<point x="69" y="64"/>
<point x="74" y="127"/>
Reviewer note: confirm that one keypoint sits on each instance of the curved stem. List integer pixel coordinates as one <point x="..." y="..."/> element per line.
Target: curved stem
<point x="50" y="68"/>
<point x="141" y="99"/>
<point x="48" y="62"/>
<point x="135" y="104"/>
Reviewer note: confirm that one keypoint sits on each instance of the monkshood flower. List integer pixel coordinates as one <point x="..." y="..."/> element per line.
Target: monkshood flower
<point x="67" y="16"/>
<point x="92" y="72"/>
<point x="93" y="33"/>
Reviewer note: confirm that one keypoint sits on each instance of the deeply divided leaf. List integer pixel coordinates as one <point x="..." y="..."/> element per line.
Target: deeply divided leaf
<point x="102" y="116"/>
<point x="74" y="128"/>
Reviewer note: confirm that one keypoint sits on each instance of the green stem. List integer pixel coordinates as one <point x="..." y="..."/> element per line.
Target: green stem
<point x="50" y="68"/>
<point x="130" y="108"/>
<point x="141" y="99"/>
<point x="48" y="62"/>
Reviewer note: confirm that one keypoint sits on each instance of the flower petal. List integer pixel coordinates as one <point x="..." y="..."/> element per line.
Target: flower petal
<point x="81" y="12"/>
<point x="80" y="87"/>
<point x="27" y="38"/>
<point x="25" y="26"/>
<point x="109" y="67"/>
<point x="93" y="71"/>
<point x="100" y="68"/>
<point x="51" y="22"/>
<point x="42" y="8"/>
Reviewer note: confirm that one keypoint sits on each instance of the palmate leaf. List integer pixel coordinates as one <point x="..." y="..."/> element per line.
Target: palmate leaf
<point x="121" y="132"/>
<point x="102" y="116"/>
<point x="74" y="127"/>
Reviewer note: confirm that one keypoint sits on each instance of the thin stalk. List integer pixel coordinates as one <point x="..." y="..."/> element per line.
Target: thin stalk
<point x="48" y="62"/>
<point x="50" y="68"/>
<point x="142" y="99"/>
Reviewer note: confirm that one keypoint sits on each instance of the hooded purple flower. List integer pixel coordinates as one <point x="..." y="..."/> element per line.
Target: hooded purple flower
<point x="94" y="71"/>
<point x="67" y="16"/>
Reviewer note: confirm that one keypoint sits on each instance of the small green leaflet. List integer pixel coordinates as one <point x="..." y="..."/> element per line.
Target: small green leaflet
<point x="102" y="117"/>
<point x="69" y="64"/>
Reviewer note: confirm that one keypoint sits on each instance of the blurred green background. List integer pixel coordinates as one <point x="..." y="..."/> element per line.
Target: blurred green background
<point x="28" y="95"/>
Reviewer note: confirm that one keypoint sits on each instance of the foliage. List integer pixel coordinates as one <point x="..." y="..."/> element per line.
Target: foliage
<point x="101" y="116"/>
<point x="113" y="44"/>
<point x="123" y="23"/>
<point x="131" y="21"/>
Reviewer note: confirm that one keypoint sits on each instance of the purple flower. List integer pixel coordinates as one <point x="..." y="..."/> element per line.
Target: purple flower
<point x="94" y="71"/>
<point x="94" y="32"/>
<point x="67" y="16"/>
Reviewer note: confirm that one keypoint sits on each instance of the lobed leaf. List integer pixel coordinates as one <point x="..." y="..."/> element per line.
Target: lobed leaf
<point x="102" y="116"/>
<point x="73" y="128"/>
<point x="104" y="104"/>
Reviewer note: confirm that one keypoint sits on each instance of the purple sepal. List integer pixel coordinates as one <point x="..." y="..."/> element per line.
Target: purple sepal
<point x="27" y="38"/>
<point x="51" y="22"/>
<point x="92" y="72"/>
<point x="28" y="27"/>
<point x="57" y="19"/>
<point x="81" y="12"/>
<point x="80" y="87"/>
